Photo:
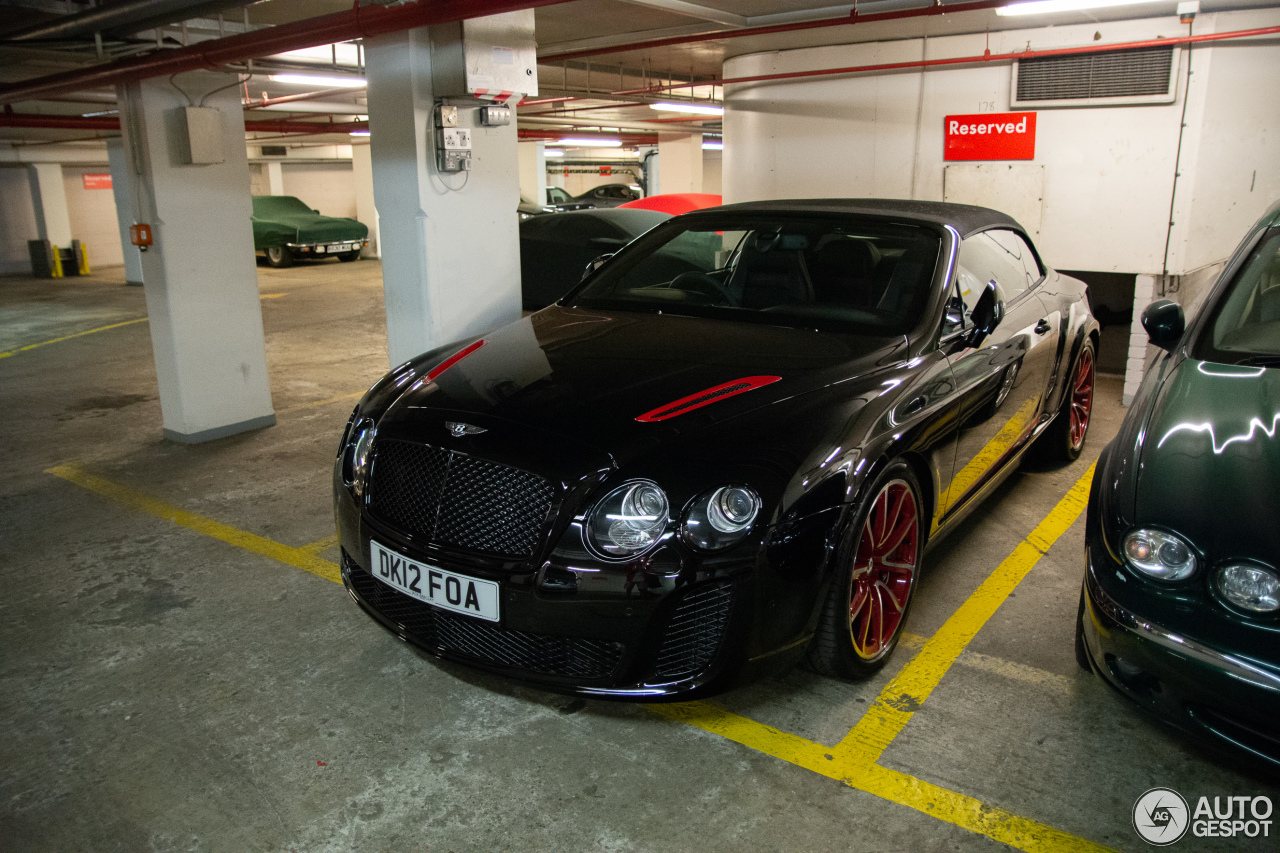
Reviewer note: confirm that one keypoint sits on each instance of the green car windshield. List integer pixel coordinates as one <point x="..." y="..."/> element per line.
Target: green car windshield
<point x="832" y="273"/>
<point x="1245" y="327"/>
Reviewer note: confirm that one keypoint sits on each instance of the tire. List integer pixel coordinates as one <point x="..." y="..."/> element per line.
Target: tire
<point x="1064" y="439"/>
<point x="871" y="592"/>
<point x="348" y="257"/>
<point x="279" y="256"/>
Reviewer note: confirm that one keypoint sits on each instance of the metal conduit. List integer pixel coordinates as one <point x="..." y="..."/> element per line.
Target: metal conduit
<point x="122" y="18"/>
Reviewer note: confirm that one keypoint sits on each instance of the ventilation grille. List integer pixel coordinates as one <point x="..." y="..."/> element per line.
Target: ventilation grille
<point x="695" y="631"/>
<point x="452" y="499"/>
<point x="1143" y="75"/>
<point x="569" y="657"/>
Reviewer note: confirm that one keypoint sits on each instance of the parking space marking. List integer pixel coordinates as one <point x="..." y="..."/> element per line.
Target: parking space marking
<point x="853" y="760"/>
<point x="301" y="406"/>
<point x="299" y="558"/>
<point x="998" y="666"/>
<point x="909" y="689"/>
<point x="69" y="337"/>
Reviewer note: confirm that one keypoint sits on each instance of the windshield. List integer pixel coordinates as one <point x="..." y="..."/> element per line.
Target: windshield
<point x="1245" y="328"/>
<point x="833" y="273"/>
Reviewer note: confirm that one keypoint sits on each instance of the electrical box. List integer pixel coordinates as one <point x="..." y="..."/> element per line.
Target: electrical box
<point x="496" y="116"/>
<point x="453" y="149"/>
<point x="493" y="57"/>
<point x="203" y="142"/>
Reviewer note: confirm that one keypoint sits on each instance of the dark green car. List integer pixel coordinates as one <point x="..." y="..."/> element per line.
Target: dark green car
<point x="1181" y="603"/>
<point x="285" y="230"/>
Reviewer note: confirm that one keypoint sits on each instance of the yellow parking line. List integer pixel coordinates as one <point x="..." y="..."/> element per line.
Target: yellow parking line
<point x="299" y="558"/>
<point x="69" y="337"/>
<point x="320" y="544"/>
<point x="908" y="690"/>
<point x="272" y="295"/>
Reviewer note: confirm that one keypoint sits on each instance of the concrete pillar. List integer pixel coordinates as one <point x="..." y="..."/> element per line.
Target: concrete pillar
<point x="275" y="177"/>
<point x="123" y="190"/>
<point x="533" y="171"/>
<point x="680" y="156"/>
<point x="1144" y="289"/>
<point x="366" y="211"/>
<point x="200" y="275"/>
<point x="450" y="251"/>
<point x="49" y="198"/>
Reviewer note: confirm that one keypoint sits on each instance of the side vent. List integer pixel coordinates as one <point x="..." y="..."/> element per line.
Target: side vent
<point x="706" y="397"/>
<point x="1144" y="76"/>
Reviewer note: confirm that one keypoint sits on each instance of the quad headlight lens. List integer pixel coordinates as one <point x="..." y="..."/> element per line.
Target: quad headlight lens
<point x="629" y="520"/>
<point x="1159" y="555"/>
<point x="359" y="453"/>
<point x="721" y="518"/>
<point x="1251" y="588"/>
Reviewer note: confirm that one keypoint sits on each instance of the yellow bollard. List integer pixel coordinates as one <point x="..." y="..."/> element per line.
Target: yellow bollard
<point x="84" y="259"/>
<point x="57" y="263"/>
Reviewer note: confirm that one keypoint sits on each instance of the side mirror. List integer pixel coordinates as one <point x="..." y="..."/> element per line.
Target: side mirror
<point x="596" y="264"/>
<point x="986" y="315"/>
<point x="1165" y="323"/>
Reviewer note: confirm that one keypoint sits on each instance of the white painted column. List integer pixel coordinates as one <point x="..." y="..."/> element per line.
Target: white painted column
<point x="275" y="177"/>
<point x="49" y="198"/>
<point x="680" y="155"/>
<point x="366" y="211"/>
<point x="450" y="248"/>
<point x="123" y="190"/>
<point x="200" y="275"/>
<point x="533" y="171"/>
<point x="1144" y="289"/>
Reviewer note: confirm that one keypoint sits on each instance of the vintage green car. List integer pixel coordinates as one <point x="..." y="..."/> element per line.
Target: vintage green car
<point x="285" y="230"/>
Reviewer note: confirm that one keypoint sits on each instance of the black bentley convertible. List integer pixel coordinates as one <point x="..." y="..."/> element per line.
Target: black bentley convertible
<point x="729" y="447"/>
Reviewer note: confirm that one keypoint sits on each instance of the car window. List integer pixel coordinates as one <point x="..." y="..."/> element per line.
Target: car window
<point x="555" y="195"/>
<point x="841" y="273"/>
<point x="983" y="259"/>
<point x="1018" y="248"/>
<point x="956" y="317"/>
<point x="1246" y="324"/>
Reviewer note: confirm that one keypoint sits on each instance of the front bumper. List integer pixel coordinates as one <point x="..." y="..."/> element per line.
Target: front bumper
<point x="335" y="247"/>
<point x="1226" y="698"/>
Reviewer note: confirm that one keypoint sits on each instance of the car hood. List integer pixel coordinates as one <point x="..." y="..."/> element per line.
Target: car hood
<point x="590" y="375"/>
<point x="312" y="228"/>
<point x="1209" y="459"/>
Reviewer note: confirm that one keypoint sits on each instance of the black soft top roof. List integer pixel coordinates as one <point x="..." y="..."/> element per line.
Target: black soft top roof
<point x="965" y="218"/>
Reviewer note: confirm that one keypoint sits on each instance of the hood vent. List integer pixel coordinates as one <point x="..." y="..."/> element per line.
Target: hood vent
<point x="706" y="397"/>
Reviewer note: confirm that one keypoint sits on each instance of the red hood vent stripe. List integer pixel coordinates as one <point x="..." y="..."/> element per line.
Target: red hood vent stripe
<point x="453" y="359"/>
<point x="706" y="397"/>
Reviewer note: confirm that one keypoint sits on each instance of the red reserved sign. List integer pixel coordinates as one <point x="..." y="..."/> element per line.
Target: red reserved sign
<point x="97" y="181"/>
<point x="990" y="136"/>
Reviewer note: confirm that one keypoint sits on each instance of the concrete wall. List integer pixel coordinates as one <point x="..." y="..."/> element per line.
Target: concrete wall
<point x="712" y="170"/>
<point x="17" y="220"/>
<point x="1108" y="171"/>
<point x="327" y="187"/>
<point x="93" y="217"/>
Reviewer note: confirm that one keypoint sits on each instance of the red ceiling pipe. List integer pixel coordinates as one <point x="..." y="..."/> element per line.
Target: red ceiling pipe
<point x="50" y="122"/>
<point x="852" y="18"/>
<point x="968" y="60"/>
<point x="358" y="22"/>
<point x="628" y="138"/>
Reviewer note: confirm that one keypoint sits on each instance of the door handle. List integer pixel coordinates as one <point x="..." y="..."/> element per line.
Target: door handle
<point x="1043" y="327"/>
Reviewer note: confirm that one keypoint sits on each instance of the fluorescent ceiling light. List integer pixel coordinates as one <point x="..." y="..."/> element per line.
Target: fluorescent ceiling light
<point x="697" y="109"/>
<point x="1044" y="7"/>
<point x="553" y="152"/>
<point x="713" y="146"/>
<point x="590" y="143"/>
<point x="319" y="80"/>
<point x="100" y="113"/>
<point x="359" y="133"/>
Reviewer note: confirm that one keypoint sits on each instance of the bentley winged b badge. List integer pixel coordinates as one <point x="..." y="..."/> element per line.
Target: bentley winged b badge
<point x="458" y="430"/>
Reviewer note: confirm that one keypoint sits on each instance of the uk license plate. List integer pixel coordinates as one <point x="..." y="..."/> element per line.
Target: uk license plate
<point x="433" y="585"/>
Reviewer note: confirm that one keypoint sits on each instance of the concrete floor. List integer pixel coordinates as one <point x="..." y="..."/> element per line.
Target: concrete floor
<point x="161" y="689"/>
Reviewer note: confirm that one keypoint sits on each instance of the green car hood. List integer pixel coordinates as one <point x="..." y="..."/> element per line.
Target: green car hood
<point x="1211" y="458"/>
<point x="279" y="219"/>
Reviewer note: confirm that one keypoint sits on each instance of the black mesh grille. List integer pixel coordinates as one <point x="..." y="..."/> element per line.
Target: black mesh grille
<point x="484" y="641"/>
<point x="695" y="630"/>
<point x="1123" y="73"/>
<point x="451" y="499"/>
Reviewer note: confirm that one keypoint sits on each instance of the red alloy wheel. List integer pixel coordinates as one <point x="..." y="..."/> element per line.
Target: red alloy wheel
<point x="1081" y="398"/>
<point x="884" y="569"/>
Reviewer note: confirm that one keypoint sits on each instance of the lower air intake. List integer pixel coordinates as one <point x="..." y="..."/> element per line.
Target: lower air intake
<point x="695" y="631"/>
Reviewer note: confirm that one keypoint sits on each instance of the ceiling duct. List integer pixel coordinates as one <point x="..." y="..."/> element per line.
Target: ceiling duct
<point x="120" y="19"/>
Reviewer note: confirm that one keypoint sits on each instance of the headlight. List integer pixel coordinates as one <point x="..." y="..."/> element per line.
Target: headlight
<point x="1159" y="555"/>
<point x="721" y="518"/>
<point x="1250" y="588"/>
<point x="629" y="519"/>
<point x="359" y="451"/>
